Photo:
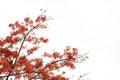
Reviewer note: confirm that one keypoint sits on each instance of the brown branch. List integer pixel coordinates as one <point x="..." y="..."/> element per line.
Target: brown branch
<point x="60" y="61"/>
<point x="81" y="76"/>
<point x="22" y="44"/>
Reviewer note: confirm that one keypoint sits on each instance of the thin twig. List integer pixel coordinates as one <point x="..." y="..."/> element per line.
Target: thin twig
<point x="81" y="76"/>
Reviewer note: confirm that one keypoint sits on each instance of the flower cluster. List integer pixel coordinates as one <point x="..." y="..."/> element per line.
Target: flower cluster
<point x="14" y="54"/>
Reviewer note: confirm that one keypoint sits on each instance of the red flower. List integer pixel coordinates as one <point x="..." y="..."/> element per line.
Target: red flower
<point x="43" y="18"/>
<point x="26" y="19"/>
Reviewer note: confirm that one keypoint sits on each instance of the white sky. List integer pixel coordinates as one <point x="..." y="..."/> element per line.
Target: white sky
<point x="92" y="25"/>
